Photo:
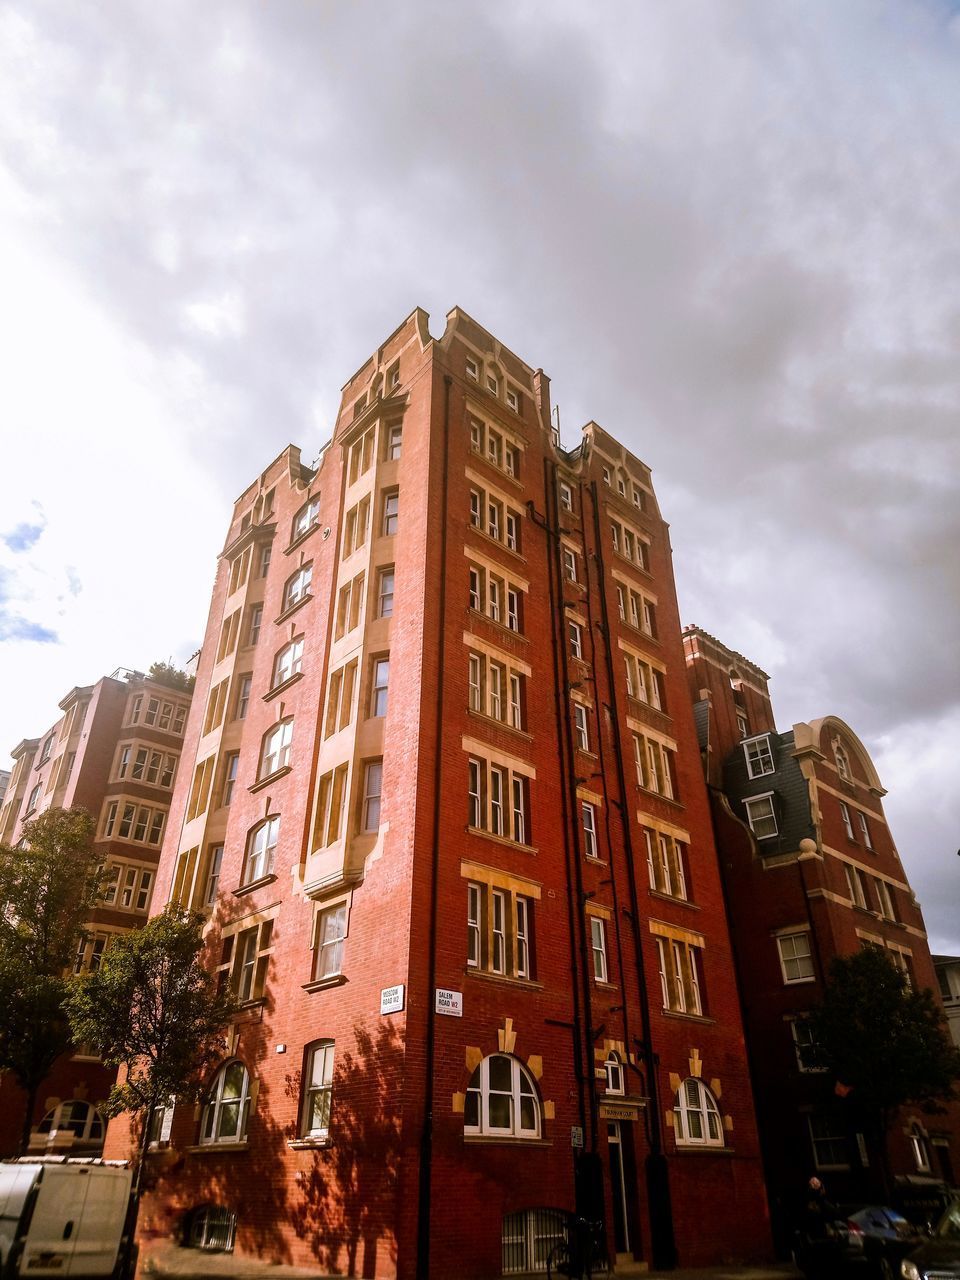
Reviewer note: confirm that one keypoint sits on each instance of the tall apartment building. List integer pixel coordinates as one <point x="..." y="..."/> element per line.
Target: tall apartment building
<point x="114" y="752"/>
<point x="443" y="800"/>
<point x="811" y="872"/>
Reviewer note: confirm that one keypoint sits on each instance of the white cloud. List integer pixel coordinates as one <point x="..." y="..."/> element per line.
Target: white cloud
<point x="726" y="232"/>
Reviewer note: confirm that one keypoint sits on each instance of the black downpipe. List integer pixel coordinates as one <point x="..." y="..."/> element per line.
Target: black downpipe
<point x="602" y="756"/>
<point x="662" y="1238"/>
<point x="426" y="1136"/>
<point x="578" y="970"/>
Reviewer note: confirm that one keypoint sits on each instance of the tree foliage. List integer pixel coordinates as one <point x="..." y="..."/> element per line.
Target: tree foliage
<point x="886" y="1043"/>
<point x="48" y="887"/>
<point x="153" y="1010"/>
<point x="166" y="673"/>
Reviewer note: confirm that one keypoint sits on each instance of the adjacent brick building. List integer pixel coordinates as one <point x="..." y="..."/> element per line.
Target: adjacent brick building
<point x="811" y="871"/>
<point x="442" y="798"/>
<point x="114" y="752"/>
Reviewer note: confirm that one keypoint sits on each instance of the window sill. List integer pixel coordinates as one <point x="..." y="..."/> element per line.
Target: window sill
<point x="605" y="986"/>
<point x="282" y="688"/>
<point x="289" y="612"/>
<point x="215" y="1148"/>
<point x="499" y="724"/>
<point x="254" y="885"/>
<point x="301" y="538"/>
<point x="511" y="844"/>
<point x="689" y="1017"/>
<point x="633" y="564"/>
<point x="525" y="984"/>
<point x="270" y="778"/>
<point x="639" y="631"/>
<point x="507" y="631"/>
<point x="321" y="984"/>
<point x="670" y="897"/>
<point x="495" y="542"/>
<point x="798" y="982"/>
<point x="678" y="804"/>
<point x="308" y="1144"/>
<point x="502" y="1140"/>
<point x="702" y="1149"/>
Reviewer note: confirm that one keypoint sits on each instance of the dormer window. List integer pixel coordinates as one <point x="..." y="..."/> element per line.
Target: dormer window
<point x="759" y="756"/>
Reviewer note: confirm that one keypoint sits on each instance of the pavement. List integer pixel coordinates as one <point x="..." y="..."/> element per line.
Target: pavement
<point x="190" y="1264"/>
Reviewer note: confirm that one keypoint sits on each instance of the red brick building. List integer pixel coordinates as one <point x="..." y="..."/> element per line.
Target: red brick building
<point x="114" y="752"/>
<point x="444" y="803"/>
<point x="811" y="872"/>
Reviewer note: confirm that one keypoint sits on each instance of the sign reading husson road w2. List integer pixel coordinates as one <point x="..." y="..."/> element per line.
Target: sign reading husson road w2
<point x="450" y="1003"/>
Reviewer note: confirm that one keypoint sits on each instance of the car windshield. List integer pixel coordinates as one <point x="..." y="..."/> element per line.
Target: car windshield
<point x="949" y="1224"/>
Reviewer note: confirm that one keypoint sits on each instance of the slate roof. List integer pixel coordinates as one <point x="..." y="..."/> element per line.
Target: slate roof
<point x="792" y="797"/>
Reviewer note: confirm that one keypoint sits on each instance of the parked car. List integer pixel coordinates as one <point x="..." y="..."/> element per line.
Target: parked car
<point x="63" y="1217"/>
<point x="940" y="1255"/>
<point x="871" y="1241"/>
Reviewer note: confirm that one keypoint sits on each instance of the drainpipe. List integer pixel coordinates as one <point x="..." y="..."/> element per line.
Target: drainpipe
<point x="662" y="1239"/>
<point x="426" y="1135"/>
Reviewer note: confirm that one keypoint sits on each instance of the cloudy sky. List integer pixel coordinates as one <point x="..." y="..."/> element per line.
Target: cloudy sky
<point x="727" y="231"/>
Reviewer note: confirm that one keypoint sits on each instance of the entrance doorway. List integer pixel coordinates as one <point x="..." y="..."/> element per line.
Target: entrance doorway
<point x="618" y="1187"/>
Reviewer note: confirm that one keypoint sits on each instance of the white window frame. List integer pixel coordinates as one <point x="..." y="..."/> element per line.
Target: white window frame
<point x="261" y="853"/>
<point x="588" y="812"/>
<point x="522" y="1085"/>
<point x="317" y="1105"/>
<point x="758" y="754"/>
<point x="297" y="587"/>
<point x="847" y="820"/>
<point x="372" y="796"/>
<point x="306" y="518"/>
<point x="796" y="964"/>
<point x="698" y="1122"/>
<point x="598" y="948"/>
<point x="217" y="1104"/>
<point x="288" y="662"/>
<point x="380" y="686"/>
<point x="275" y="753"/>
<point x="330" y="931"/>
<point x="765" y="812"/>
<point x="581" y="727"/>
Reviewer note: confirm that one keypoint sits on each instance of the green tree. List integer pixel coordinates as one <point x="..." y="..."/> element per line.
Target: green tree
<point x="166" y="673"/>
<point x="153" y="1010"/>
<point x="49" y="884"/>
<point x="884" y="1043"/>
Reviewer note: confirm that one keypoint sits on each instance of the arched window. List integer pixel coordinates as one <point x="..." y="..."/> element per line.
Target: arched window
<point x="697" y="1116"/>
<point x="306" y="518"/>
<point x="261" y="846"/>
<point x="226" y="1106"/>
<point x="75" y="1116"/>
<point x="843" y="761"/>
<point x="275" y="748"/>
<point x="287" y="663"/>
<point x="297" y="586"/>
<point x="614" y="1069"/>
<point x="502" y="1099"/>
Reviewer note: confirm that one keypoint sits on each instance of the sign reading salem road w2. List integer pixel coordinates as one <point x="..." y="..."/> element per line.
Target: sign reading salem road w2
<point x="450" y="1003"/>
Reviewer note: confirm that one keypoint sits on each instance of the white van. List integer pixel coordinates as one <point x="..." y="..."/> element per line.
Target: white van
<point x="62" y="1217"/>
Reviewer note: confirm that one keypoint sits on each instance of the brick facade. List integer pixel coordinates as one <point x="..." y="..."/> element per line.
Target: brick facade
<point x="811" y="872"/>
<point x="501" y="854"/>
<point x="79" y="762"/>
